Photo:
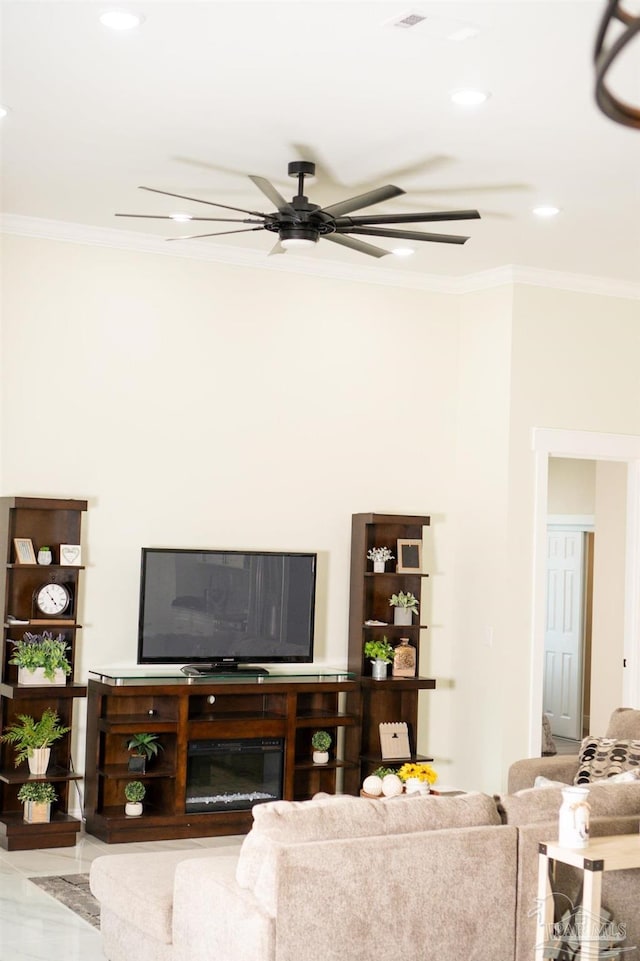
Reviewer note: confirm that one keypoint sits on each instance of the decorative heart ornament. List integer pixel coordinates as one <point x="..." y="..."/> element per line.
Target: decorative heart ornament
<point x="70" y="554"/>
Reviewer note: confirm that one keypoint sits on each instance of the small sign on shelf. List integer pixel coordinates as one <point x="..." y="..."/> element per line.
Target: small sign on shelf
<point x="394" y="740"/>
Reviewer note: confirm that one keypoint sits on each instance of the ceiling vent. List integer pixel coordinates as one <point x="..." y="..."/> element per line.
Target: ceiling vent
<point x="409" y="20"/>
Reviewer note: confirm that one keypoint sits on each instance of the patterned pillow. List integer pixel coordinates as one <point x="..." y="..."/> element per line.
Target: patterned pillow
<point x="600" y="757"/>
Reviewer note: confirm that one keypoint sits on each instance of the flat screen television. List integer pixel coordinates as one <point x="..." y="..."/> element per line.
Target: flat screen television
<point x="213" y="610"/>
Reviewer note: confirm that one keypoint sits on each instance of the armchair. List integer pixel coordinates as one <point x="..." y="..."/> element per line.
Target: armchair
<point x="624" y="723"/>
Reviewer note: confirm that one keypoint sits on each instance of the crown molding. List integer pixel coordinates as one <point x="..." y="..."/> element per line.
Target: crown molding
<point x="219" y="253"/>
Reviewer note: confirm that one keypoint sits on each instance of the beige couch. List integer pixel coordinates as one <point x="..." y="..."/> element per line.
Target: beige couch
<point x="352" y="879"/>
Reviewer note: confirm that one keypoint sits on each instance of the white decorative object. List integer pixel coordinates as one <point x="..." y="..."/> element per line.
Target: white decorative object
<point x="36" y="677"/>
<point x="412" y="785"/>
<point x="402" y="616"/>
<point x="391" y="785"/>
<point x="379" y="556"/>
<point x="372" y="785"/>
<point x="70" y="555"/>
<point x="133" y="809"/>
<point x="573" y="822"/>
<point x="320" y="757"/>
<point x="38" y="759"/>
<point x="378" y="567"/>
<point x="44" y="555"/>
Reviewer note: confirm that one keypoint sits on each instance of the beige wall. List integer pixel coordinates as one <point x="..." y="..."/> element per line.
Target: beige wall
<point x="572" y="486"/>
<point x="203" y="404"/>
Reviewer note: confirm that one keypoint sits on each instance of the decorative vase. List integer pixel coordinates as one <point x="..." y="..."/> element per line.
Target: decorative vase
<point x="412" y="785"/>
<point x="378" y="567"/>
<point x="573" y="821"/>
<point x="44" y="555"/>
<point x="402" y="616"/>
<point x="379" y="670"/>
<point x="320" y="757"/>
<point x="404" y="659"/>
<point x="38" y="759"/>
<point x="133" y="809"/>
<point x="137" y="764"/>
<point x="36" y="677"/>
<point x="36" y="812"/>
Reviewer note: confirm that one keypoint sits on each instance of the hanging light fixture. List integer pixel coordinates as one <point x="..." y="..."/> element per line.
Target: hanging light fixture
<point x="612" y="106"/>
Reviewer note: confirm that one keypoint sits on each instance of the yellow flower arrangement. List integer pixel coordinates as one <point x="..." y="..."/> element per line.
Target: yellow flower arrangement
<point x="423" y="772"/>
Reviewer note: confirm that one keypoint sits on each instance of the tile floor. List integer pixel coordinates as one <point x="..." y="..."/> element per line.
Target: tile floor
<point x="36" y="927"/>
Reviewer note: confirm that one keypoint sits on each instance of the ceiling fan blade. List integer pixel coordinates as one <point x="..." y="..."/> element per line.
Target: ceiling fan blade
<point x="423" y="218"/>
<point x="222" y="220"/>
<point x="405" y="235"/>
<point x="240" y="210"/>
<point x="363" y="200"/>
<point x="276" y="198"/>
<point x="220" y="233"/>
<point x="358" y="245"/>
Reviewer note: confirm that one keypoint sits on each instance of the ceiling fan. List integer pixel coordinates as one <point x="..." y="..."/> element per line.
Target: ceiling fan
<point x="299" y="223"/>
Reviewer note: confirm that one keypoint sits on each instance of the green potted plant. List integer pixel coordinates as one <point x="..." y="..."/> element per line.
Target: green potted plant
<point x="321" y="742"/>
<point x="41" y="658"/>
<point x="44" y="555"/>
<point x="32" y="739"/>
<point x="404" y="605"/>
<point x="380" y="653"/>
<point x="37" y="797"/>
<point x="134" y="792"/>
<point x="142" y="748"/>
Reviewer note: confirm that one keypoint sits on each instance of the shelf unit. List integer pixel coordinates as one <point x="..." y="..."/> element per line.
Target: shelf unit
<point x="50" y="521"/>
<point x="394" y="699"/>
<point x="180" y="710"/>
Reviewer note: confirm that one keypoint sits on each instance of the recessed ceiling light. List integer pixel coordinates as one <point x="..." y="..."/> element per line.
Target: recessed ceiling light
<point x="462" y="34"/>
<point x="3" y="111"/>
<point x="545" y="210"/>
<point x="120" y="20"/>
<point x="402" y="251"/>
<point x="180" y="217"/>
<point x="468" y="97"/>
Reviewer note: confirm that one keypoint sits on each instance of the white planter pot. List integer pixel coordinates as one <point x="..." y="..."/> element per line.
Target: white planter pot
<point x="412" y="785"/>
<point x="133" y="809"/>
<point x="320" y="757"/>
<point x="44" y="557"/>
<point x="36" y="677"/>
<point x="379" y="670"/>
<point x="39" y="760"/>
<point x="36" y="812"/>
<point x="402" y="616"/>
<point x="378" y="567"/>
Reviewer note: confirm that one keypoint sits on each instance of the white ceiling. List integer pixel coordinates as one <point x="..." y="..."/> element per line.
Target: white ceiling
<point x="204" y="93"/>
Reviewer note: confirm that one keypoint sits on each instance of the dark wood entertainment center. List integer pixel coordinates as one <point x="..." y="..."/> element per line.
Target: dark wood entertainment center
<point x="183" y="709"/>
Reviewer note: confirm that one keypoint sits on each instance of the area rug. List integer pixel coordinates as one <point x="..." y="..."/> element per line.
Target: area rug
<point x="72" y="890"/>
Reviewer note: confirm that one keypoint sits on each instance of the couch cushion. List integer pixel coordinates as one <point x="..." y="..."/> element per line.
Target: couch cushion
<point x="345" y="816"/>
<point x="533" y="805"/>
<point x="600" y="757"/>
<point x="123" y="881"/>
<point x="624" y="723"/>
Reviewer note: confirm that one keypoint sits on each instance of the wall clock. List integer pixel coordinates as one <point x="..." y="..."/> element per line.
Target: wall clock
<point x="52" y="599"/>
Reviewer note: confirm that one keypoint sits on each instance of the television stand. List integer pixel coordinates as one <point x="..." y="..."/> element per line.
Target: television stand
<point x="221" y="667"/>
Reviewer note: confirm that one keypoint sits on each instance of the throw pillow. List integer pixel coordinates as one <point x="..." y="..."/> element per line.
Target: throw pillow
<point x="601" y="757"/>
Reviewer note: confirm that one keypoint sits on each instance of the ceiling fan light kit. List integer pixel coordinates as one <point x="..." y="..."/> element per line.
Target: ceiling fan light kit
<point x="301" y="224"/>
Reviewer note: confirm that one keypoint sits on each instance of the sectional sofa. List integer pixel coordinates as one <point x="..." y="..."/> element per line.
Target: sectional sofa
<point x="353" y="879"/>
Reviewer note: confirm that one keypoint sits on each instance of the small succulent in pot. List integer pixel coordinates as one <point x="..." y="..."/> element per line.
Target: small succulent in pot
<point x="142" y="747"/>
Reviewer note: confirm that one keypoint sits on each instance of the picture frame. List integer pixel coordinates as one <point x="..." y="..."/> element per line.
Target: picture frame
<point x="409" y="557"/>
<point x="25" y="553"/>
<point x="70" y="555"/>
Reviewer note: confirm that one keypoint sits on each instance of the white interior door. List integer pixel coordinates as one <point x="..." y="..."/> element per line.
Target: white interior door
<point x="563" y="647"/>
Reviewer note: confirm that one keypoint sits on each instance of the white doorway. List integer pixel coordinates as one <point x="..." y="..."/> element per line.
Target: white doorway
<point x="596" y="446"/>
<point x="564" y="632"/>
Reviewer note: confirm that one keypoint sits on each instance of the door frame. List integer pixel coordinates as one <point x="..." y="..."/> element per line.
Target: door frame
<point x="586" y="445"/>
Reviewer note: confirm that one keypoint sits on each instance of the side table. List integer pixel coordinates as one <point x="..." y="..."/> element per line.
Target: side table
<point x="614" y="853"/>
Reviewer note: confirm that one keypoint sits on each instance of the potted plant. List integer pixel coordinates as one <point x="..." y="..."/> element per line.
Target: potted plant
<point x="404" y="605"/>
<point x="37" y="797"/>
<point x="379" y="556"/>
<point x="321" y="742"/>
<point x="41" y="659"/>
<point x="44" y="555"/>
<point x="134" y="791"/>
<point x="417" y="777"/>
<point x="380" y="653"/>
<point x="32" y="739"/>
<point x="143" y="747"/>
